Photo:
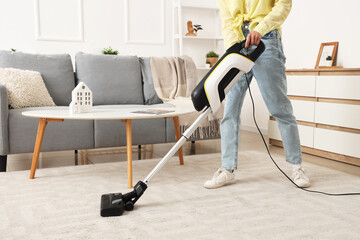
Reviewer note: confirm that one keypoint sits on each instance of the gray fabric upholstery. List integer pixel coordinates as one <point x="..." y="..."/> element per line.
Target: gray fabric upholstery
<point x="150" y="95"/>
<point x="112" y="79"/>
<point x="170" y="130"/>
<point x="4" y="111"/>
<point x="56" y="70"/>
<point x="67" y="135"/>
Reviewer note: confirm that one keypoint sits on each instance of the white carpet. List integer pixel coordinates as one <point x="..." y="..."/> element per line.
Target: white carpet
<point x="64" y="203"/>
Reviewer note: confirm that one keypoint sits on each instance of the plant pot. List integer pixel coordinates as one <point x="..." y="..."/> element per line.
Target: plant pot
<point x="212" y="61"/>
<point x="328" y="63"/>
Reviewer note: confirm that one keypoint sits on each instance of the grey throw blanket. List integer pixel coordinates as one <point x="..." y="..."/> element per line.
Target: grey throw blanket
<point x="174" y="79"/>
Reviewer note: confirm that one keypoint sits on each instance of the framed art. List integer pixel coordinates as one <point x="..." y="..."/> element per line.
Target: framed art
<point x="327" y="55"/>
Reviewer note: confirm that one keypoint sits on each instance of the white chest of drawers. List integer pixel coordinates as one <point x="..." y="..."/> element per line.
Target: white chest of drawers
<point x="326" y="105"/>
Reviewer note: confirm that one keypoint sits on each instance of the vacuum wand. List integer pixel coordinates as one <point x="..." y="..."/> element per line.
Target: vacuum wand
<point x="178" y="144"/>
<point x="208" y="94"/>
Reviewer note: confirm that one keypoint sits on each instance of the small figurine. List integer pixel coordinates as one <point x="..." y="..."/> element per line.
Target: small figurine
<point x="190" y="29"/>
<point x="81" y="99"/>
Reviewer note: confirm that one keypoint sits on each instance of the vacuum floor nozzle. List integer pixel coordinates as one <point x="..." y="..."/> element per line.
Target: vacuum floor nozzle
<point x="112" y="204"/>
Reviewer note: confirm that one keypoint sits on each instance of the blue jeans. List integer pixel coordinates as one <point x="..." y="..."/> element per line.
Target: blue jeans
<point x="269" y="72"/>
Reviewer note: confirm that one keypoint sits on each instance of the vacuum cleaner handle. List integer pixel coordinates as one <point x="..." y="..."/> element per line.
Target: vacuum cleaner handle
<point x="253" y="56"/>
<point x="199" y="96"/>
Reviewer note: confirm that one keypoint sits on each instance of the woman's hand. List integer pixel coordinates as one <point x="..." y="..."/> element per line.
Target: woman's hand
<point x="253" y="39"/>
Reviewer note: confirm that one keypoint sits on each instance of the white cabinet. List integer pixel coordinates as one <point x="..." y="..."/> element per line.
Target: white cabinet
<point x="337" y="141"/>
<point x="337" y="114"/>
<point x="326" y="104"/>
<point x="343" y="87"/>
<point x="205" y="13"/>
<point x="301" y="85"/>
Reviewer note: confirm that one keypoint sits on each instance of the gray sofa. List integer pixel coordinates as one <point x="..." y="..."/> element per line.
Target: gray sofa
<point x="113" y="80"/>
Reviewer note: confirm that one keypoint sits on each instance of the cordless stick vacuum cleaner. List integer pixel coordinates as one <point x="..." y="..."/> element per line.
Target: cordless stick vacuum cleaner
<point x="208" y="94"/>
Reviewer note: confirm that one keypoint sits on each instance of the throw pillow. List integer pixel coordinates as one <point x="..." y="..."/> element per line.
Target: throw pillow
<point x="25" y="88"/>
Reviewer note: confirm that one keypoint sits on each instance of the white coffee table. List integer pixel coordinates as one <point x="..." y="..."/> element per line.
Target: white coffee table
<point x="125" y="113"/>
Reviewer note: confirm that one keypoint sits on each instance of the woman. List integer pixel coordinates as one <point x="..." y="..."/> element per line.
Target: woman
<point x="256" y="20"/>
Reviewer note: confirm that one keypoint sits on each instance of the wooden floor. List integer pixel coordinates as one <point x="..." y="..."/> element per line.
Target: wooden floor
<point x="247" y="141"/>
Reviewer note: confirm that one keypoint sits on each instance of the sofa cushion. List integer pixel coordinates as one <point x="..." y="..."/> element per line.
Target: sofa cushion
<point x="150" y="95"/>
<point x="56" y="70"/>
<point x="25" y="88"/>
<point x="112" y="79"/>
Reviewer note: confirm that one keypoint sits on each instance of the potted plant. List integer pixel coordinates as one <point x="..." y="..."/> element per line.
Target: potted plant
<point x="212" y="57"/>
<point x="110" y="51"/>
<point x="328" y="61"/>
<point x="197" y="27"/>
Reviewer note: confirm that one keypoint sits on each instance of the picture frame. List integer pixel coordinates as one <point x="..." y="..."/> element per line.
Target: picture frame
<point x="327" y="50"/>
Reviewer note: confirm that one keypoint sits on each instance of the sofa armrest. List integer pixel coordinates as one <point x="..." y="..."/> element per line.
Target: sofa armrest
<point x="4" y="116"/>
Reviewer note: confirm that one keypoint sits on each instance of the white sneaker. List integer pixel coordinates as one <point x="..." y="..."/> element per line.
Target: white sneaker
<point x="221" y="177"/>
<point x="300" y="178"/>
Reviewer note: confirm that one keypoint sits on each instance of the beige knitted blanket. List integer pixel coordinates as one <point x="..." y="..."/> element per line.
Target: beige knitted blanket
<point x="174" y="79"/>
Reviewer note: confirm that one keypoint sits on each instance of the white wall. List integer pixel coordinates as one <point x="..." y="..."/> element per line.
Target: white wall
<point x="103" y="24"/>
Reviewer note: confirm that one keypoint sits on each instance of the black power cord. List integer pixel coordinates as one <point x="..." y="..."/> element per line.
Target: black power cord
<point x="267" y="148"/>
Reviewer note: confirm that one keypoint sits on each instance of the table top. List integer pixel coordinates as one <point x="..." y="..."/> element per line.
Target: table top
<point x="108" y="112"/>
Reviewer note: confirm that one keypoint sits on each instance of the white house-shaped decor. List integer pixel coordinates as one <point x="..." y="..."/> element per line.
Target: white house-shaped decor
<point x="81" y="99"/>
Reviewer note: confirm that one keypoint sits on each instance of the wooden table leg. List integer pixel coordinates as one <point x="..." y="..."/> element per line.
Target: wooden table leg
<point x="129" y="151"/>
<point x="38" y="142"/>
<point x="177" y="133"/>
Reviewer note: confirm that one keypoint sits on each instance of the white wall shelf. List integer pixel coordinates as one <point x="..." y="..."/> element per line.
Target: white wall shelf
<point x="200" y="37"/>
<point x="202" y="7"/>
<point x="203" y="68"/>
<point x="207" y="14"/>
